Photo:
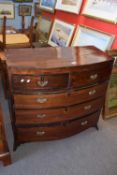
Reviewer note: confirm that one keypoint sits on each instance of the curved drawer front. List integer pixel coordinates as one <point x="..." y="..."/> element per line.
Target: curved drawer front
<point x="56" y="132"/>
<point x="90" y="77"/>
<point x="24" y="117"/>
<point x="60" y="99"/>
<point x="40" y="82"/>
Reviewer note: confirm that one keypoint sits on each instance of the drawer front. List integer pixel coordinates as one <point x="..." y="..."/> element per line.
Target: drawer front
<point x="56" y="132"/>
<point x="90" y="77"/>
<point x="24" y="117"/>
<point x="40" y="82"/>
<point x="60" y="99"/>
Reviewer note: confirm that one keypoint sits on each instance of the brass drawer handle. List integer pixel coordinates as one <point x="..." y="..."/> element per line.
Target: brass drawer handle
<point x="42" y="83"/>
<point x="84" y="123"/>
<point x="87" y="107"/>
<point x="40" y="133"/>
<point x="41" y="116"/>
<point x="92" y="92"/>
<point x="41" y="100"/>
<point x="94" y="77"/>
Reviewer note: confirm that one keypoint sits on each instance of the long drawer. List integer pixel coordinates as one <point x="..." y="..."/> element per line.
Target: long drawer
<point x="56" y="132"/>
<point x="60" y="99"/>
<point x="36" y="116"/>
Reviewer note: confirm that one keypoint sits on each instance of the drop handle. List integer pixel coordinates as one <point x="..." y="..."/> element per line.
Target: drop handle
<point x="87" y="107"/>
<point x="94" y="77"/>
<point x="92" y="92"/>
<point x="41" y="100"/>
<point x="41" y="116"/>
<point x="84" y="123"/>
<point x="42" y="83"/>
<point x="40" y="133"/>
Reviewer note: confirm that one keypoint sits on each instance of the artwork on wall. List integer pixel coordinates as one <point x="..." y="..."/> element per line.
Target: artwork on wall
<point x="25" y="10"/>
<point x="8" y="10"/>
<point x="61" y="33"/>
<point x="37" y="10"/>
<point x="72" y="6"/>
<point x="88" y="36"/>
<point x="43" y="29"/>
<point x="48" y="5"/>
<point x="102" y="9"/>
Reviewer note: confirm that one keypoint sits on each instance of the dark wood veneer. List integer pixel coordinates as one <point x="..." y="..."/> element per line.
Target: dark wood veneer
<point x="56" y="92"/>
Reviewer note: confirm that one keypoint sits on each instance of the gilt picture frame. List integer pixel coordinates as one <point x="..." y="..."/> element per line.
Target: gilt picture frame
<point x="25" y="10"/>
<point x="102" y="9"/>
<point x="7" y="9"/>
<point x="61" y="33"/>
<point x="86" y="36"/>
<point x="48" y="5"/>
<point x="72" y="6"/>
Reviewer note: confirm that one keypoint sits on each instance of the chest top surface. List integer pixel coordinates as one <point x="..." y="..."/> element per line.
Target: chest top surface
<point x="59" y="57"/>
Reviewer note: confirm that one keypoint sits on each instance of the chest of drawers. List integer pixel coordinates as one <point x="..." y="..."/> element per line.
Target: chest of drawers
<point x="56" y="92"/>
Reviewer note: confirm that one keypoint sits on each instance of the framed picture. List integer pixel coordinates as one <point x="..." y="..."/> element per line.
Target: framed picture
<point x="25" y="10"/>
<point x="37" y="10"/>
<point x="110" y="109"/>
<point x="43" y="29"/>
<point x="72" y="6"/>
<point x="48" y="5"/>
<point x="102" y="9"/>
<point x="61" y="33"/>
<point x="8" y="10"/>
<point x="88" y="36"/>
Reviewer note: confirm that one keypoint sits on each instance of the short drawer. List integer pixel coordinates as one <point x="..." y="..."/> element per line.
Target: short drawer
<point x="40" y="82"/>
<point x="59" y="99"/>
<point x="89" y="77"/>
<point x="56" y="132"/>
<point x="36" y="116"/>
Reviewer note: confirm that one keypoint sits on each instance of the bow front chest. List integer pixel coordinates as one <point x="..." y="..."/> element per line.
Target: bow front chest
<point x="56" y="92"/>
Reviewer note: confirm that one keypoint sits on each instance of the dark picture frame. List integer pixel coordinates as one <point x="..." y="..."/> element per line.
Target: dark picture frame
<point x="25" y="10"/>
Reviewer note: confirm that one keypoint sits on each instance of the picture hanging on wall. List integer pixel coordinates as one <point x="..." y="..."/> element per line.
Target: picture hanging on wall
<point x="8" y="10"/>
<point x="48" y="5"/>
<point x="61" y="33"/>
<point x="85" y="36"/>
<point x="102" y="9"/>
<point x="37" y="10"/>
<point x="25" y="10"/>
<point x="72" y="6"/>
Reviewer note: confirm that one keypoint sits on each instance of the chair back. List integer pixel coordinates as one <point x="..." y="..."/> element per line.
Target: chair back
<point x="31" y="30"/>
<point x="4" y="31"/>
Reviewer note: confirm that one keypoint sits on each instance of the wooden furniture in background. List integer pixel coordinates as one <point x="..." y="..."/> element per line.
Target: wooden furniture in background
<point x="56" y="92"/>
<point x="110" y="107"/>
<point x="4" y="152"/>
<point x="17" y="40"/>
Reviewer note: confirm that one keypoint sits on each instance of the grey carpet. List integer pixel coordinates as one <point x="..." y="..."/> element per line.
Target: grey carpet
<point x="91" y="152"/>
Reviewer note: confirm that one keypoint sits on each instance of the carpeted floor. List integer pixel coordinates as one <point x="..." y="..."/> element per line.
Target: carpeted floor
<point x="91" y="152"/>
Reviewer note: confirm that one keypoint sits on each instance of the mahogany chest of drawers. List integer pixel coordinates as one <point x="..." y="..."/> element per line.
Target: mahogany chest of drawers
<point x="56" y="92"/>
